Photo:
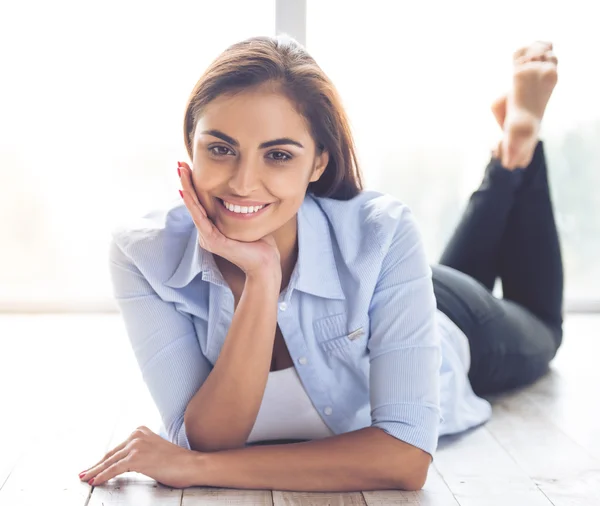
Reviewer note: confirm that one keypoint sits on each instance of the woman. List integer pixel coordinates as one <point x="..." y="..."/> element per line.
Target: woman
<point x="281" y="301"/>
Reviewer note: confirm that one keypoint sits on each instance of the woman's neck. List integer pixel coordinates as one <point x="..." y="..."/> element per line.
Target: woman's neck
<point x="286" y="238"/>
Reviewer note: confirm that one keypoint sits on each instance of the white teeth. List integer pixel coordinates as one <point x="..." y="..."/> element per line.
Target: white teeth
<point x="242" y="209"/>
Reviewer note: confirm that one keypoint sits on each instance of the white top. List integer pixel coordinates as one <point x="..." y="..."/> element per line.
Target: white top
<point x="286" y="411"/>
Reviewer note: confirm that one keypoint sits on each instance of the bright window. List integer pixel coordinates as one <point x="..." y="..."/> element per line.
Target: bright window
<point x="91" y="127"/>
<point x="418" y="78"/>
<point x="93" y="96"/>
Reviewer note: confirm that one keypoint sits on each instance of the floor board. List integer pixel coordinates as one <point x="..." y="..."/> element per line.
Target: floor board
<point x="73" y="391"/>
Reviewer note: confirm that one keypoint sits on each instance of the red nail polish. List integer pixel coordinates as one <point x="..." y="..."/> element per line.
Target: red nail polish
<point x="81" y="474"/>
<point x="181" y="193"/>
<point x="178" y="164"/>
<point x="178" y="172"/>
<point x="91" y="482"/>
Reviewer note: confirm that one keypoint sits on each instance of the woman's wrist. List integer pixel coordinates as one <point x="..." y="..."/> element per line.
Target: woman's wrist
<point x="266" y="276"/>
<point x="199" y="467"/>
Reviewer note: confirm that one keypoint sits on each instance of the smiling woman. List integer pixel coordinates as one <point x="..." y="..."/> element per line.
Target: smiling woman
<point x="281" y="300"/>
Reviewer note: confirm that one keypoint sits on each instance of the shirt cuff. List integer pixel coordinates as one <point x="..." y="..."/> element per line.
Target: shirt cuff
<point x="419" y="426"/>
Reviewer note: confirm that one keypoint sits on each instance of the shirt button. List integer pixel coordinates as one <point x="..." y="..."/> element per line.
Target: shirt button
<point x="303" y="360"/>
<point x="283" y="306"/>
<point x="328" y="410"/>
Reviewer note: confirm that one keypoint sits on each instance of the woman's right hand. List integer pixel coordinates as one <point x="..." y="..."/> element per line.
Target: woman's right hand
<point x="258" y="257"/>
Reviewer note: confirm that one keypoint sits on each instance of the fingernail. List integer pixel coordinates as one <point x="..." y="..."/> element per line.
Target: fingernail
<point x="181" y="193"/>
<point x="91" y="482"/>
<point x="178" y="164"/>
<point x="178" y="172"/>
<point x="81" y="474"/>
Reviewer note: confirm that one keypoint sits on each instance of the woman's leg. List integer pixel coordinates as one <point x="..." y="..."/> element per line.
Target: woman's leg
<point x="512" y="340"/>
<point x="510" y="346"/>
<point x="475" y="246"/>
<point x="509" y="230"/>
<point x="530" y="264"/>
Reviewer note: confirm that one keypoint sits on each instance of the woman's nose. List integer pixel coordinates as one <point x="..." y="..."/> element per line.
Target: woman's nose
<point x="246" y="177"/>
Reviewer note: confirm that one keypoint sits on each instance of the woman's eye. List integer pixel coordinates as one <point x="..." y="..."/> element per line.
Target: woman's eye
<point x="276" y="156"/>
<point x="219" y="150"/>
<point x="280" y="156"/>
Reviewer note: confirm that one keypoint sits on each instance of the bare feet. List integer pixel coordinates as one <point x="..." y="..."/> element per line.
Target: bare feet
<point x="520" y="112"/>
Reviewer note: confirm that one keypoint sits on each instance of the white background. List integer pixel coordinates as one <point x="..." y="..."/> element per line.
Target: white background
<point x="92" y="98"/>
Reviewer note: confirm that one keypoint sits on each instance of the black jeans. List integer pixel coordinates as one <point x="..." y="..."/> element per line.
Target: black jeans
<point x="507" y="231"/>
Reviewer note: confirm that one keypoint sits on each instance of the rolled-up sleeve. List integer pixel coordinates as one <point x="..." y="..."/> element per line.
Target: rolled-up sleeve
<point x="164" y="342"/>
<point x="404" y="345"/>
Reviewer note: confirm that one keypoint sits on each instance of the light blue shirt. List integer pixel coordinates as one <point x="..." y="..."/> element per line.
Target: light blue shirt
<point x="358" y="316"/>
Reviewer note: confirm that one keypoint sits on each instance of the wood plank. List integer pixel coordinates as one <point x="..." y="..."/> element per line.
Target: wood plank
<point x="566" y="395"/>
<point x="48" y="471"/>
<point x="435" y="492"/>
<point x="570" y="406"/>
<point x="60" y="422"/>
<point x="126" y="490"/>
<point x="287" y="498"/>
<point x="12" y="451"/>
<point x="478" y="471"/>
<point x="17" y="389"/>
<point x="214" y="496"/>
<point x="68" y="404"/>
<point x="562" y="469"/>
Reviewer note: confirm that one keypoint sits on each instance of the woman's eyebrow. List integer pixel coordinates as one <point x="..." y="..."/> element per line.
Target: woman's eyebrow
<point x="267" y="144"/>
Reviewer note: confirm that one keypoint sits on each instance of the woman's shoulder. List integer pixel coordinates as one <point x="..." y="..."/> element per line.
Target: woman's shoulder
<point x="147" y="237"/>
<point x="370" y="216"/>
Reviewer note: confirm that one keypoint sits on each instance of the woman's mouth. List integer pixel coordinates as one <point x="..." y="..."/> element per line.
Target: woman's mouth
<point x="241" y="211"/>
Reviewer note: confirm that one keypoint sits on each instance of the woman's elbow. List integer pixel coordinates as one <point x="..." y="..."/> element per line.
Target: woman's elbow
<point x="412" y="484"/>
<point x="413" y="476"/>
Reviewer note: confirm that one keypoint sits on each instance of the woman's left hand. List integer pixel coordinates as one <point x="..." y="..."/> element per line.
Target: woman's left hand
<point x="147" y="453"/>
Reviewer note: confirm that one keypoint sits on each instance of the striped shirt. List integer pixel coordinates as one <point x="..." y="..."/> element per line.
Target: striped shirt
<point x="358" y="317"/>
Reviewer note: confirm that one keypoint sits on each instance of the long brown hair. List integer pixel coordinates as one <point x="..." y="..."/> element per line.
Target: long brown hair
<point x="283" y="61"/>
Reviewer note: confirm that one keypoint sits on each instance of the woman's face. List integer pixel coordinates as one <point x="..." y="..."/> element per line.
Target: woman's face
<point x="253" y="158"/>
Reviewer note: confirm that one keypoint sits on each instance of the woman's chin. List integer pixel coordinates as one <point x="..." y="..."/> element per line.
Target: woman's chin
<point x="241" y="235"/>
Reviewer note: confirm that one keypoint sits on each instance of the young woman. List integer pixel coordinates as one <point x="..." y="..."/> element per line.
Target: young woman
<point x="280" y="301"/>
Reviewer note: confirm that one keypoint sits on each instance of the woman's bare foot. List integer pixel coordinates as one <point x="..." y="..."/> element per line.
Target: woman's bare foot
<point x="520" y="112"/>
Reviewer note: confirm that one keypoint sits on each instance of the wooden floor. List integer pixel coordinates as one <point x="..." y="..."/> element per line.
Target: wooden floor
<point x="70" y="391"/>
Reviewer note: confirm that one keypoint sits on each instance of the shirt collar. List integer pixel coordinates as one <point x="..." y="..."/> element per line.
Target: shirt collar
<point x="316" y="267"/>
<point x="315" y="272"/>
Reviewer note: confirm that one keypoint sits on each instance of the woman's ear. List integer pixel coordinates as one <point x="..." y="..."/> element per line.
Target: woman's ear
<point x="319" y="166"/>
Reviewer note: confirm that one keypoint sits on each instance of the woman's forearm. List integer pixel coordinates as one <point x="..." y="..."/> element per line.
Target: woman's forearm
<point x="223" y="411"/>
<point x="366" y="459"/>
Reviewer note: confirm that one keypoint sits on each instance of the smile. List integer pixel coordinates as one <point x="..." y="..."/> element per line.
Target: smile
<point x="242" y="211"/>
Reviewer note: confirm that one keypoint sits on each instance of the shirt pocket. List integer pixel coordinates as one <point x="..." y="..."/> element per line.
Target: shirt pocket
<point x="334" y="336"/>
